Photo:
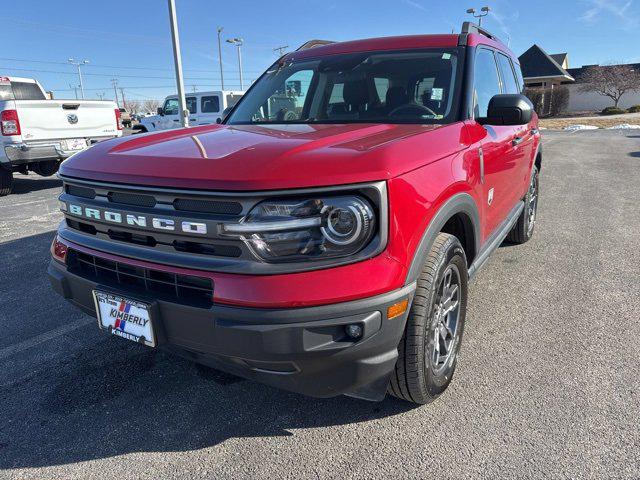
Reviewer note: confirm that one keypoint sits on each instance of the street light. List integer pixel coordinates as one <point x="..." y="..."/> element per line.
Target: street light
<point x="484" y="11"/>
<point x="238" y="42"/>
<point x="78" y="65"/>
<point x="220" y="57"/>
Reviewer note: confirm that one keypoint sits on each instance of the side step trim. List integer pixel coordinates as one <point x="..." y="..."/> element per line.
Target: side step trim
<point x="496" y="239"/>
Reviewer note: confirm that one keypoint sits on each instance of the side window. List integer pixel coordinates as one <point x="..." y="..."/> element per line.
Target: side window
<point x="192" y="104"/>
<point x="210" y="104"/>
<point x="510" y="83"/>
<point x="171" y="106"/>
<point x="382" y="87"/>
<point x="519" y="77"/>
<point x="486" y="83"/>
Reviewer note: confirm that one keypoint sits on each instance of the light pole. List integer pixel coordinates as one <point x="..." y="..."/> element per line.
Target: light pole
<point x="78" y="65"/>
<point x="220" y="57"/>
<point x="75" y="89"/>
<point x="177" y="60"/>
<point x="114" y="82"/>
<point x="484" y="11"/>
<point x="281" y="49"/>
<point x="238" y="42"/>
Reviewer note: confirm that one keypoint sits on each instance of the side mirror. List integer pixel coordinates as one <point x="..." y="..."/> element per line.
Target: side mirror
<point x="508" y="109"/>
<point x="160" y="111"/>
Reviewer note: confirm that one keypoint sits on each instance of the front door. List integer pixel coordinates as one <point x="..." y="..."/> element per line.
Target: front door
<point x="500" y="156"/>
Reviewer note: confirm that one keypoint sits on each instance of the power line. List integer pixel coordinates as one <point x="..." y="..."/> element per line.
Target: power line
<point x="123" y="67"/>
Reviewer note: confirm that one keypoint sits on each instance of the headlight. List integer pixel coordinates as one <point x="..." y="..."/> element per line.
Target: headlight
<point x="307" y="229"/>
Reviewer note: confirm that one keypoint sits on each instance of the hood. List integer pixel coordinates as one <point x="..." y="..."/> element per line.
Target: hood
<point x="259" y="157"/>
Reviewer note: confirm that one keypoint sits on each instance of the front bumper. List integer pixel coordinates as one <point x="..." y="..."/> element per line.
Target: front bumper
<point x="305" y="350"/>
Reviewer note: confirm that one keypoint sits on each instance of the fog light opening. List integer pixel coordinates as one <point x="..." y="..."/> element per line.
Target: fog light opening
<point x="397" y="309"/>
<point x="59" y="250"/>
<point x="354" y="331"/>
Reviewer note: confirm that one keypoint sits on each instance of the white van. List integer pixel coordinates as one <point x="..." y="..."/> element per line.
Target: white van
<point x="204" y="108"/>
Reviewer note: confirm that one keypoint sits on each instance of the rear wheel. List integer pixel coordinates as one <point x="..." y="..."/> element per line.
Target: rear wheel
<point x="6" y="181"/>
<point x="523" y="229"/>
<point x="46" y="168"/>
<point x="428" y="351"/>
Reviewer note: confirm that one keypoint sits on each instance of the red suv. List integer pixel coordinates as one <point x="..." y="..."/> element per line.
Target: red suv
<point x="321" y="239"/>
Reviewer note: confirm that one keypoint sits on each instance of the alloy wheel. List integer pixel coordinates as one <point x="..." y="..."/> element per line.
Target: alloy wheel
<point x="443" y="336"/>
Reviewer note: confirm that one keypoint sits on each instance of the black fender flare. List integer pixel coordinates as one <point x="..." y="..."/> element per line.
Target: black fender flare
<point x="459" y="203"/>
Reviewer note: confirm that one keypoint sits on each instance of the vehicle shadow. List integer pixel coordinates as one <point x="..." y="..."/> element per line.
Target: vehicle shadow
<point x="106" y="397"/>
<point x="26" y="184"/>
<point x="635" y="154"/>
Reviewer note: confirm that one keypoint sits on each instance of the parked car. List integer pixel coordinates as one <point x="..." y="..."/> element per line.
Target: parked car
<point x="325" y="249"/>
<point x="125" y="117"/>
<point x="37" y="133"/>
<point x="205" y="108"/>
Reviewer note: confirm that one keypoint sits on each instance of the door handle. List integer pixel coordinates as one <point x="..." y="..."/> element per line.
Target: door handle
<point x="517" y="141"/>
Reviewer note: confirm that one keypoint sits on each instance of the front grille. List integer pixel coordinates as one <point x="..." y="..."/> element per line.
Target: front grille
<point x="149" y="240"/>
<point x="78" y="191"/>
<point x="135" y="199"/>
<point x="207" y="206"/>
<point x="184" y="289"/>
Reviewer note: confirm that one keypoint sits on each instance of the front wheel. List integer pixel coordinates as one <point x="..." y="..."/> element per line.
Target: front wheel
<point x="428" y="351"/>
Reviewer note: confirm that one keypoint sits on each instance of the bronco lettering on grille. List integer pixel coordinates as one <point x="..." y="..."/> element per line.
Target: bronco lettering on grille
<point x="157" y="223"/>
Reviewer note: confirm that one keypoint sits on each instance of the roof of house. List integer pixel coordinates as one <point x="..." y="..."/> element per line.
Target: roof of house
<point x="559" y="58"/>
<point x="536" y="63"/>
<point x="577" y="73"/>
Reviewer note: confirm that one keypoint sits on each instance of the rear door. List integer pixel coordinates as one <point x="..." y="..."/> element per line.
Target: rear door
<point x="498" y="157"/>
<point x="522" y="140"/>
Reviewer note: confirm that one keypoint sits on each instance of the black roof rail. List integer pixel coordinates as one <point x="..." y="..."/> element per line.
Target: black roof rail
<point x="314" y="43"/>
<point x="470" y="27"/>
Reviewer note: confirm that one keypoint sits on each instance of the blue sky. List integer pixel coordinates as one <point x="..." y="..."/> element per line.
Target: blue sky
<point x="130" y="40"/>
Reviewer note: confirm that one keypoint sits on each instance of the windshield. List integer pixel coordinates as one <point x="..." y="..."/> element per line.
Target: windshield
<point x="372" y="87"/>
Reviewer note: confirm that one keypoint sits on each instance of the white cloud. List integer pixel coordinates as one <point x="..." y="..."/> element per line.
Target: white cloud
<point x="621" y="9"/>
<point x="417" y="5"/>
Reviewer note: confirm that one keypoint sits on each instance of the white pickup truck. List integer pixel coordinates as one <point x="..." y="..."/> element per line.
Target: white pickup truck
<point x="37" y="133"/>
<point x="204" y="108"/>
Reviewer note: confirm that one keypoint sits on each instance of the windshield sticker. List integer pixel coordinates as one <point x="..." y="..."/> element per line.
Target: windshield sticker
<point x="446" y="56"/>
<point x="436" y="94"/>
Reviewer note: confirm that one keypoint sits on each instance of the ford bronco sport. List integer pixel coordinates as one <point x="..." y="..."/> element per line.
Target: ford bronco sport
<point x="321" y="238"/>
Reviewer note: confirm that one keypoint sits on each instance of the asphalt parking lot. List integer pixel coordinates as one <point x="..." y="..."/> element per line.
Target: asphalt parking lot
<point x="548" y="383"/>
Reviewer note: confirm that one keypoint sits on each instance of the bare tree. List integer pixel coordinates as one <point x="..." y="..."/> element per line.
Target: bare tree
<point x="134" y="107"/>
<point x="151" y="105"/>
<point x="611" y="81"/>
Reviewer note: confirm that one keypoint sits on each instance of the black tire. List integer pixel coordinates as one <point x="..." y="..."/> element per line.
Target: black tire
<point x="6" y="181"/>
<point x="46" y="168"/>
<point x="416" y="378"/>
<point x="522" y="231"/>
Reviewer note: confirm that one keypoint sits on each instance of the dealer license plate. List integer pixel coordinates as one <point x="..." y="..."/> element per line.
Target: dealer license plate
<point x="73" y="144"/>
<point x="125" y="318"/>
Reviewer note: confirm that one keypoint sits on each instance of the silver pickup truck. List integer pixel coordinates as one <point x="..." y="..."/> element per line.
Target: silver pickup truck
<point x="36" y="133"/>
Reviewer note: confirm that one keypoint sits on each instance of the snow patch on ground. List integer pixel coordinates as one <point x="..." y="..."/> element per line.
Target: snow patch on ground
<point x="624" y="126"/>
<point x="573" y="128"/>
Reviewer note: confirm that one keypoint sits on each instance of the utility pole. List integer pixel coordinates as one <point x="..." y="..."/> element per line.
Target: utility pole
<point x="220" y="57"/>
<point x="484" y="11"/>
<point x="75" y="89"/>
<point x="281" y="50"/>
<point x="78" y="65"/>
<point x="114" y="82"/>
<point x="238" y="42"/>
<point x="124" y="102"/>
<point x="184" y="113"/>
<point x="101" y="95"/>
